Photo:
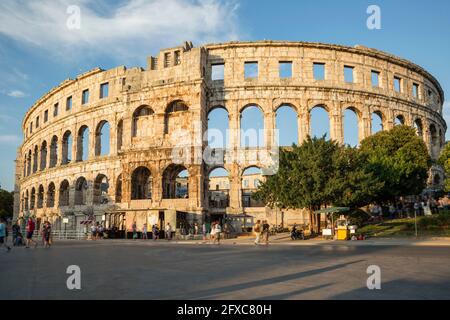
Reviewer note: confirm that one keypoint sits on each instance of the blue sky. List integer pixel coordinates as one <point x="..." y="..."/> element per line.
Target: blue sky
<point x="37" y="51"/>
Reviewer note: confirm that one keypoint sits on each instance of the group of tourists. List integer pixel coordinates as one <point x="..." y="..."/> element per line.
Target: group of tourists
<point x="405" y="209"/>
<point x="261" y="230"/>
<point x="30" y="228"/>
<point x="97" y="231"/>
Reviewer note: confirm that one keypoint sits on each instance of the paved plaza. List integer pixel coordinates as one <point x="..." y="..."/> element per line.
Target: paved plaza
<point x="126" y="269"/>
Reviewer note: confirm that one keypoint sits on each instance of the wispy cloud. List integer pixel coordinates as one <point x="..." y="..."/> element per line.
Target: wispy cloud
<point x="16" y="94"/>
<point x="133" y="29"/>
<point x="7" y="118"/>
<point x="9" y="139"/>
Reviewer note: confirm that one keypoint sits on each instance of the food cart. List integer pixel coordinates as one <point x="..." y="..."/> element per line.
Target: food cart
<point x="342" y="223"/>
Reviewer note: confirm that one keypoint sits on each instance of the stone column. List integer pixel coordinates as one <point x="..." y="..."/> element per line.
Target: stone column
<point x="336" y="130"/>
<point x="269" y="129"/>
<point x="235" y="187"/>
<point x="365" y="126"/>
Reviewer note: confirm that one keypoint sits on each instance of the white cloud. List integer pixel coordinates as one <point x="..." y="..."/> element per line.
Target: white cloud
<point x="133" y="29"/>
<point x="16" y="94"/>
<point x="9" y="139"/>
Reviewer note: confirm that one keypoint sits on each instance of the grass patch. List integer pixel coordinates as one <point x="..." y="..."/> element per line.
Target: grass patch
<point x="429" y="226"/>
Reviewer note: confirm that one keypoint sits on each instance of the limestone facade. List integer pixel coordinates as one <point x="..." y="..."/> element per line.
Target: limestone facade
<point x="153" y="115"/>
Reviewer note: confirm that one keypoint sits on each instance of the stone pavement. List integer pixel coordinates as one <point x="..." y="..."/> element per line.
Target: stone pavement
<point x="237" y="269"/>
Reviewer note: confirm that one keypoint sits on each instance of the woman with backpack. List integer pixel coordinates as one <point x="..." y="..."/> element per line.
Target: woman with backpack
<point x="257" y="231"/>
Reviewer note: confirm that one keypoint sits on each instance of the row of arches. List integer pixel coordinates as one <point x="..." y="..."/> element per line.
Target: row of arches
<point x="175" y="185"/>
<point x="252" y="125"/>
<point x="35" y="198"/>
<point x="286" y="122"/>
<point x="46" y="156"/>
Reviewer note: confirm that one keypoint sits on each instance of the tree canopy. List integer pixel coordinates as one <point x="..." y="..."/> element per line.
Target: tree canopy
<point x="444" y="161"/>
<point x="400" y="159"/>
<point x="6" y="203"/>
<point x="322" y="172"/>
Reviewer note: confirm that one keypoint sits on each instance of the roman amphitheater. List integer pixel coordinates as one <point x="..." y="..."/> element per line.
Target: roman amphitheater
<point x="127" y="145"/>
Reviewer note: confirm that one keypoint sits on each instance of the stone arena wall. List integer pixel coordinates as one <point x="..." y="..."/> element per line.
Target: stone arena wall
<point x="148" y="111"/>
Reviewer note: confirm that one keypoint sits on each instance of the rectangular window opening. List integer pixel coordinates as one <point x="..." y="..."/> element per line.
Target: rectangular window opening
<point x="176" y="57"/>
<point x="104" y="90"/>
<point x="348" y="74"/>
<point x="319" y="71"/>
<point x="45" y="116"/>
<point x="397" y="84"/>
<point x="218" y="71"/>
<point x="85" y="97"/>
<point x="416" y="90"/>
<point x="251" y="70"/>
<point x="167" y="56"/>
<point x="285" y="69"/>
<point x="37" y="122"/>
<point x="69" y="103"/>
<point x="375" y="79"/>
<point x="55" y="109"/>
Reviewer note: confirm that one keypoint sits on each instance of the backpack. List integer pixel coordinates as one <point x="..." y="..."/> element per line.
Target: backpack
<point x="257" y="228"/>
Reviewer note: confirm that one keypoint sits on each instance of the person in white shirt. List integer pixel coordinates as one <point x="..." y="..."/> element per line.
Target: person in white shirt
<point x="217" y="232"/>
<point x="168" y="231"/>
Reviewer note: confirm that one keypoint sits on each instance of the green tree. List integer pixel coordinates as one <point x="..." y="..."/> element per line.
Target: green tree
<point x="6" y="203"/>
<point x="319" y="172"/>
<point x="400" y="159"/>
<point x="444" y="161"/>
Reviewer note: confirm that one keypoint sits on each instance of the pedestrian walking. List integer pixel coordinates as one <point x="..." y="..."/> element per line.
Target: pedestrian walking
<point x="144" y="232"/>
<point x="168" y="231"/>
<point x="155" y="232"/>
<point x="16" y="232"/>
<point x="257" y="231"/>
<point x="30" y="227"/>
<point x="204" y="230"/>
<point x="265" y="232"/>
<point x="46" y="232"/>
<point x="196" y="229"/>
<point x="217" y="232"/>
<point x="3" y="235"/>
<point x="213" y="232"/>
<point x="134" y="229"/>
<point x="93" y="232"/>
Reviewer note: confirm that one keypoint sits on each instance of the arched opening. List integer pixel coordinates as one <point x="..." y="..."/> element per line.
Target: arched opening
<point x="29" y="163"/>
<point x="83" y="144"/>
<point x="119" y="135"/>
<point x="175" y="116"/>
<point x="64" y="193"/>
<point x="26" y="200"/>
<point x="33" y="198"/>
<point x="351" y="127"/>
<point x="54" y="152"/>
<point x="218" y="125"/>
<point x="141" y="121"/>
<point x="35" y="159"/>
<point x="219" y="188"/>
<point x="24" y="166"/>
<point x="377" y="122"/>
<point x="102" y="139"/>
<point x="81" y="188"/>
<point x="433" y="135"/>
<point x="437" y="179"/>
<point x="400" y="120"/>
<point x="251" y="178"/>
<point x="43" y="155"/>
<point x="419" y="127"/>
<point x="141" y="184"/>
<point x="66" y="147"/>
<point x="175" y="182"/>
<point x="119" y="189"/>
<point x="51" y="195"/>
<point x="286" y="125"/>
<point x="40" y="199"/>
<point x="252" y="127"/>
<point x="101" y="187"/>
<point x="319" y="122"/>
